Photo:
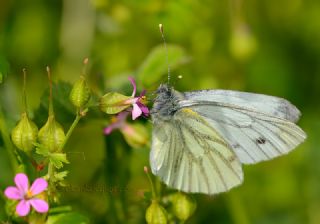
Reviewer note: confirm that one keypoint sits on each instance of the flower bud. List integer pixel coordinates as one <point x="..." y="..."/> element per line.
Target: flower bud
<point x="183" y="206"/>
<point x="156" y="214"/>
<point x="136" y="135"/>
<point x="113" y="103"/>
<point x="80" y="93"/>
<point x="51" y="135"/>
<point x="24" y="135"/>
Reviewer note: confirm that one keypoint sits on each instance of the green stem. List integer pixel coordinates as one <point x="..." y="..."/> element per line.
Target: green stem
<point x="237" y="209"/>
<point x="51" y="168"/>
<point x="11" y="151"/>
<point x="24" y="94"/>
<point x="153" y="190"/>
<point x="71" y="129"/>
<point x="51" y="113"/>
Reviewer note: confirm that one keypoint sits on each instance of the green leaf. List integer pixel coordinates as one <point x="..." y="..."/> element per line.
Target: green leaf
<point x="155" y="65"/>
<point x="60" y="209"/>
<point x="57" y="159"/>
<point x="61" y="175"/>
<point x="113" y="103"/>
<point x="41" y="150"/>
<point x="63" y="108"/>
<point x="70" y="218"/>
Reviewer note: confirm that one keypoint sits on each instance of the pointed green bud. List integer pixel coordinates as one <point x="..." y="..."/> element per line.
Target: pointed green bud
<point x="156" y="214"/>
<point x="80" y="93"/>
<point x="24" y="134"/>
<point x="113" y="103"/>
<point x="51" y="135"/>
<point x="183" y="206"/>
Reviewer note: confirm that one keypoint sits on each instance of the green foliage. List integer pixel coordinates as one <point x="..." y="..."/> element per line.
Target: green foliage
<point x="64" y="111"/>
<point x="154" y="66"/>
<point x="70" y="218"/>
<point x="56" y="158"/>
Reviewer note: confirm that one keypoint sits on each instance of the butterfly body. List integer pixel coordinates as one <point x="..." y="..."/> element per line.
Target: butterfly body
<point x="166" y="103"/>
<point x="202" y="138"/>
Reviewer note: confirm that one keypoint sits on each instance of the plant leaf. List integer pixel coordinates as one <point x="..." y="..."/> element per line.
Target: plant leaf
<point x="154" y="66"/>
<point x="41" y="150"/>
<point x="63" y="108"/>
<point x="70" y="218"/>
<point x="57" y="159"/>
<point x="61" y="175"/>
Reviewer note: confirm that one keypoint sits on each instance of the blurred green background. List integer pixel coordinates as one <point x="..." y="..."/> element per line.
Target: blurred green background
<point x="269" y="47"/>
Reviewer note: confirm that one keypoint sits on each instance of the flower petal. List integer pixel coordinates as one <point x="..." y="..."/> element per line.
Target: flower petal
<point x="144" y="108"/>
<point x="136" y="112"/>
<point x="13" y="193"/>
<point x="22" y="182"/>
<point x="23" y="208"/>
<point x="118" y="123"/>
<point x="38" y="186"/>
<point x="39" y="205"/>
<point x="133" y="83"/>
<point x="107" y="130"/>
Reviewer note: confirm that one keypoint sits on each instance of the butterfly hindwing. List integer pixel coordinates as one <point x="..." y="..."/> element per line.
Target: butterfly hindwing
<point x="255" y="132"/>
<point x="189" y="154"/>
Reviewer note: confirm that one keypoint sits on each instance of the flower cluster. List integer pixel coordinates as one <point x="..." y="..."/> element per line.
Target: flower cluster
<point x="138" y="109"/>
<point x="138" y="103"/>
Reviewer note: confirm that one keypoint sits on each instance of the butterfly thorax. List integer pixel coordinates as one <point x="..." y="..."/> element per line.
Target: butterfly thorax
<point x="166" y="103"/>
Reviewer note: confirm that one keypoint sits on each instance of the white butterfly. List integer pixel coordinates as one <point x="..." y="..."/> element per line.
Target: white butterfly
<point x="201" y="138"/>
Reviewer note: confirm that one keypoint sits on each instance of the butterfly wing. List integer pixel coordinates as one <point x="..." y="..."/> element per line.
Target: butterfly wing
<point x="258" y="127"/>
<point x="189" y="155"/>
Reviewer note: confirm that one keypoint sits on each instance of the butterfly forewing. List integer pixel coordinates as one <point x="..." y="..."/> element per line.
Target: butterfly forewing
<point x="190" y="155"/>
<point x="271" y="105"/>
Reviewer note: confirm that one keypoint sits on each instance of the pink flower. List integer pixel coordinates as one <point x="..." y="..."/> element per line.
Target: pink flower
<point x="138" y="103"/>
<point x="117" y="122"/>
<point x="26" y="195"/>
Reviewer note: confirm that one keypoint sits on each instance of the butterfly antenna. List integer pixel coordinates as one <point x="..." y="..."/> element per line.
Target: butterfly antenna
<point x="166" y="49"/>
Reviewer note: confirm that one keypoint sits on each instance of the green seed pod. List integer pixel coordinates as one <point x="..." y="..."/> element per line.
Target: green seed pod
<point x="80" y="93"/>
<point x="24" y="135"/>
<point x="113" y="103"/>
<point x="51" y="135"/>
<point x="156" y="214"/>
<point x="136" y="135"/>
<point x="183" y="206"/>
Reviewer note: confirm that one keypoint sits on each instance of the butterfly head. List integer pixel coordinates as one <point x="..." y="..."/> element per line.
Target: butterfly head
<point x="165" y="103"/>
